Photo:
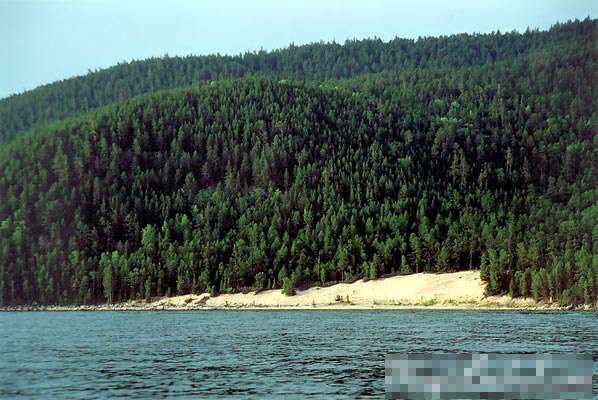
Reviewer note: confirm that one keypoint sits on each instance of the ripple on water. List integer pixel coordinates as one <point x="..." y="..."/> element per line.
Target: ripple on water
<point x="261" y="353"/>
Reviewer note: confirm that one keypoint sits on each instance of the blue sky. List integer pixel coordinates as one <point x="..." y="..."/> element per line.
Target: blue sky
<point x="43" y="41"/>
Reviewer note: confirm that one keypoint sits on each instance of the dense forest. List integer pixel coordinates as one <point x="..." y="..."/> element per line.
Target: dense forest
<point x="337" y="162"/>
<point x="318" y="61"/>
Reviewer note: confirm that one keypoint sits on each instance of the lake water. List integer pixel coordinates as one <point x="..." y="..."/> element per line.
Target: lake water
<point x="255" y="353"/>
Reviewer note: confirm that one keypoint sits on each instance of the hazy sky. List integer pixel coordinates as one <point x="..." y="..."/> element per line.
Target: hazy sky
<point x="43" y="41"/>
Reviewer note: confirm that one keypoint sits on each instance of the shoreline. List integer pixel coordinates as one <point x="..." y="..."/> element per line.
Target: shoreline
<point x="135" y="306"/>
<point x="113" y="308"/>
<point x="461" y="291"/>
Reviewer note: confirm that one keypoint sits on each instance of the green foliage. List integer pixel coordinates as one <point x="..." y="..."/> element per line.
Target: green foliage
<point x="288" y="287"/>
<point x="405" y="268"/>
<point x="540" y="285"/>
<point x="107" y="282"/>
<point x="317" y="61"/>
<point x="260" y="280"/>
<point x="445" y="163"/>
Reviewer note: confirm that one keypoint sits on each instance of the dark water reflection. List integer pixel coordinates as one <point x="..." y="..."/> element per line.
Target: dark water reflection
<point x="255" y="354"/>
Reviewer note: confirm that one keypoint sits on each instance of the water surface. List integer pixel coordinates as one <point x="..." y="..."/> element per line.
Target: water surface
<point x="255" y="353"/>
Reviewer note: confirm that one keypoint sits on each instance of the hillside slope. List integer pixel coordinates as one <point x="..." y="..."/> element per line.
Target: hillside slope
<point x="318" y="61"/>
<point x="262" y="184"/>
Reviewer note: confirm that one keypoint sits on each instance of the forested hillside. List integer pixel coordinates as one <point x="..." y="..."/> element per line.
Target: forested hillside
<point x="318" y="61"/>
<point x="456" y="162"/>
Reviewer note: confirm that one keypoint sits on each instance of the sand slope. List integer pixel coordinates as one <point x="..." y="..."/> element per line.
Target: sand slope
<point x="450" y="290"/>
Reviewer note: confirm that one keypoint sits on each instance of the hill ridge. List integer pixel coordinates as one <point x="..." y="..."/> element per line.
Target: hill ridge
<point x="315" y="61"/>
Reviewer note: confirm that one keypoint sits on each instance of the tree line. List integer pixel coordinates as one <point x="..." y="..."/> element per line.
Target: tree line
<point x="316" y="61"/>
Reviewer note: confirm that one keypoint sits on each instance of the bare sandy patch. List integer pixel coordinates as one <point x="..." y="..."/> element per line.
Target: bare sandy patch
<point x="462" y="289"/>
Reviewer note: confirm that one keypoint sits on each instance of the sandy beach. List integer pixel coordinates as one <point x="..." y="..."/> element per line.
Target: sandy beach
<point x="456" y="290"/>
<point x="450" y="290"/>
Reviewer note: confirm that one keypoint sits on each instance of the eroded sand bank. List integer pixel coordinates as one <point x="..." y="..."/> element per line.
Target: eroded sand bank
<point x="450" y="290"/>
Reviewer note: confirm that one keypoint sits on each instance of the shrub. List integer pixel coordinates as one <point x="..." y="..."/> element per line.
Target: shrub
<point x="260" y="280"/>
<point x="288" y="286"/>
